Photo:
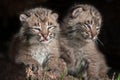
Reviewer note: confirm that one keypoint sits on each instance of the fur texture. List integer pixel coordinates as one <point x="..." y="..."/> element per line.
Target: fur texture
<point x="79" y="30"/>
<point x="37" y="40"/>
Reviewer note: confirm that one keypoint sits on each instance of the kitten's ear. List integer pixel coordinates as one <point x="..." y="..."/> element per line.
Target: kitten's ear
<point x="55" y="15"/>
<point x="76" y="12"/>
<point x="23" y="17"/>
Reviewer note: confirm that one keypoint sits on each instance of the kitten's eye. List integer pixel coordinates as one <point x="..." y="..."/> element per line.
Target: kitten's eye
<point x="37" y="29"/>
<point x="50" y="27"/>
<point x="98" y="28"/>
<point x="85" y="27"/>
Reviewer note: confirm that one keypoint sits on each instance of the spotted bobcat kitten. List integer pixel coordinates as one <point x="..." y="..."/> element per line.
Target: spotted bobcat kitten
<point x="79" y="31"/>
<point x="37" y="40"/>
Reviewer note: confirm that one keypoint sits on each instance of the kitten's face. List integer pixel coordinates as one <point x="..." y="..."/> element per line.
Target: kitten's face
<point x="40" y="29"/>
<point x="82" y="24"/>
<point x="83" y="31"/>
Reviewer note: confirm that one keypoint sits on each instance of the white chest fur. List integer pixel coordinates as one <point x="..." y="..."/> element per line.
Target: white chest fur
<point x="40" y="53"/>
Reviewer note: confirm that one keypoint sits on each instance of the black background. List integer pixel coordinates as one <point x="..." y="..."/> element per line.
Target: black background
<point x="110" y="32"/>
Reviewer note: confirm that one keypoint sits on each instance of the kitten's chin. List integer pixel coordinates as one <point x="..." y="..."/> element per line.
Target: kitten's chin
<point x="88" y="40"/>
<point x="46" y="41"/>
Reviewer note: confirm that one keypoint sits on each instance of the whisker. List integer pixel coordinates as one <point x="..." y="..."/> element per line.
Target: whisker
<point x="100" y="41"/>
<point x="96" y="41"/>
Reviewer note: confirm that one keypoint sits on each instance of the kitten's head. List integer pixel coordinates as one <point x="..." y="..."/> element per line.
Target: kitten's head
<point x="83" y="22"/>
<point x="39" y="25"/>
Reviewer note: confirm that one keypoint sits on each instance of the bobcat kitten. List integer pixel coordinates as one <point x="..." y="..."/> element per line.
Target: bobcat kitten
<point x="79" y="30"/>
<point x="37" y="40"/>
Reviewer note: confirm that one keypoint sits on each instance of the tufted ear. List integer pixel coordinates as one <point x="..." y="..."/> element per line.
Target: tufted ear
<point x="23" y="17"/>
<point x="55" y="15"/>
<point x="76" y="12"/>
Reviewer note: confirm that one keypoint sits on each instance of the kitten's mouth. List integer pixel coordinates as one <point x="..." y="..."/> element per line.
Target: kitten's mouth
<point x="44" y="40"/>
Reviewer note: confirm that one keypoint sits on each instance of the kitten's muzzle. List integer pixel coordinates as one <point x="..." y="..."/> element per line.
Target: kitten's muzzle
<point x="92" y="32"/>
<point x="44" y="36"/>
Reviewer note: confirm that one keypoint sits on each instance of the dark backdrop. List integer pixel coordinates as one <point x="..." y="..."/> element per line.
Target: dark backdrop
<point x="110" y="32"/>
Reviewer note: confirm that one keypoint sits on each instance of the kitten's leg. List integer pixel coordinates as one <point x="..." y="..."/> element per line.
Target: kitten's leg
<point x="57" y="67"/>
<point x="32" y="66"/>
<point x="28" y="61"/>
<point x="93" y="71"/>
<point x="103" y="71"/>
<point x="97" y="71"/>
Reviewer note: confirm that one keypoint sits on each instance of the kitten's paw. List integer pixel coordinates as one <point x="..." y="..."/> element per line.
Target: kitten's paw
<point x="33" y="67"/>
<point x="56" y="66"/>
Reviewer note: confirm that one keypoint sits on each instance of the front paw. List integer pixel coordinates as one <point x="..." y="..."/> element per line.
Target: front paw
<point x="32" y="70"/>
<point x="56" y="66"/>
<point x="33" y="67"/>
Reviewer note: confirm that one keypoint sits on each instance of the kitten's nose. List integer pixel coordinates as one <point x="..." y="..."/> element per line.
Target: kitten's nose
<point x="44" y="36"/>
<point x="93" y="32"/>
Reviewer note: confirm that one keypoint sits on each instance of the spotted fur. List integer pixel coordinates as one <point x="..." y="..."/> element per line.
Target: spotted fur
<point x="79" y="29"/>
<point x="37" y="39"/>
